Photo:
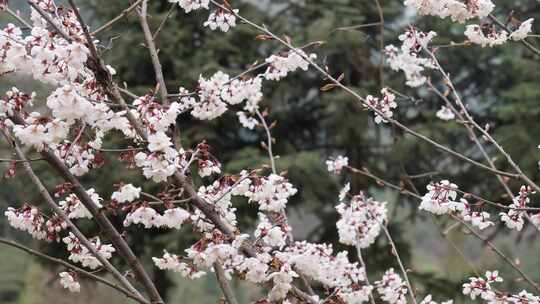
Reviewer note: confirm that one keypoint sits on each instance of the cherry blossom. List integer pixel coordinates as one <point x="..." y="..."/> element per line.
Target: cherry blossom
<point x="79" y="116"/>
<point x="445" y="113"/>
<point x="360" y="221"/>
<point x="81" y="254"/>
<point x="428" y="300"/>
<point x="475" y="34"/>
<point x="222" y="20"/>
<point x="524" y="29"/>
<point x="189" y="5"/>
<point x="247" y="122"/>
<point x="144" y="215"/>
<point x="392" y="288"/>
<point x="280" y="66"/>
<point x="126" y="194"/>
<point x="174" y="218"/>
<point x="173" y="262"/>
<point x="29" y="219"/>
<point x="271" y="193"/>
<point x="407" y="58"/>
<point x="209" y="167"/>
<point x="456" y="10"/>
<point x="68" y="281"/>
<point x="383" y="105"/>
<point x="514" y="218"/>
<point x="441" y="198"/>
<point x="337" y="164"/>
<point x="271" y="235"/>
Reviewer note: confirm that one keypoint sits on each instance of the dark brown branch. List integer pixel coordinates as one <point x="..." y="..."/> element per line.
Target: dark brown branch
<point x="117" y="240"/>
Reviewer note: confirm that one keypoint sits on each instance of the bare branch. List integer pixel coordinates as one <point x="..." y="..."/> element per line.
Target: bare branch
<point x="403" y="270"/>
<point x="162" y="24"/>
<point x="361" y="260"/>
<point x="158" y="70"/>
<point x="115" y="19"/>
<point x="224" y="284"/>
<point x="17" y="17"/>
<point x="268" y="140"/>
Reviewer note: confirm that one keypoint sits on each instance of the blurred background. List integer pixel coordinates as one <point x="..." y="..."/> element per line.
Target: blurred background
<point x="500" y="85"/>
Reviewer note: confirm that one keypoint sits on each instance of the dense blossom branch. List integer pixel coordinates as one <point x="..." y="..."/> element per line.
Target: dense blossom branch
<point x="85" y="242"/>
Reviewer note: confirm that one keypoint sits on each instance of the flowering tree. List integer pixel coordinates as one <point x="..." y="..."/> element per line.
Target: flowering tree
<point x="86" y="105"/>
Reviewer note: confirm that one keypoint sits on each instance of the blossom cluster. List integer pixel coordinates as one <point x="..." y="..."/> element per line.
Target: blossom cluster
<point x="27" y="218"/>
<point x="513" y="218"/>
<point x="408" y="58"/>
<point x="460" y="11"/>
<point x="457" y="10"/>
<point x="337" y="164"/>
<point x="69" y="281"/>
<point x="392" y="288"/>
<point x="149" y="217"/>
<point x="482" y="287"/>
<point x="219" y="91"/>
<point x="81" y="254"/>
<point x="360" y="221"/>
<point x="441" y="199"/>
<point x="383" y="106"/>
<point x="74" y="208"/>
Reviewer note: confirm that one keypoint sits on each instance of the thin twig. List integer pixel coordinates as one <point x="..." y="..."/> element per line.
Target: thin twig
<point x="268" y="140"/>
<point x="361" y="260"/>
<point x="162" y="24"/>
<point x="523" y="41"/>
<point x="488" y="243"/>
<point x="359" y="98"/>
<point x="403" y="270"/>
<point x="115" y="19"/>
<point x="8" y="160"/>
<point x="355" y="27"/>
<point x="381" y="42"/>
<point x="16" y="16"/>
<point x="158" y="70"/>
<point x="485" y="133"/>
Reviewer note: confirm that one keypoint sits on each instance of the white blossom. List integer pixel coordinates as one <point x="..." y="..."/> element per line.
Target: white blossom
<point x="360" y="221"/>
<point x="69" y="282"/>
<point x="445" y="113"/>
<point x="392" y="288"/>
<point x="524" y="29"/>
<point x="222" y="20"/>
<point x="189" y="5"/>
<point x="126" y="194"/>
<point x="476" y="35"/>
<point x="337" y="164"/>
